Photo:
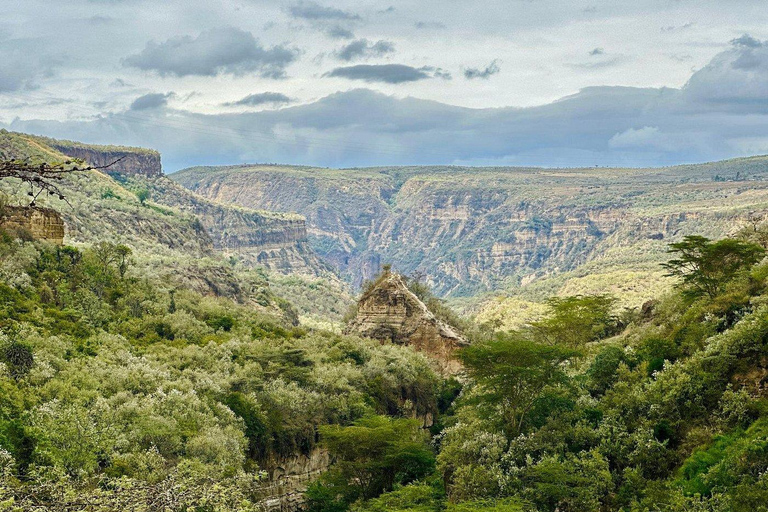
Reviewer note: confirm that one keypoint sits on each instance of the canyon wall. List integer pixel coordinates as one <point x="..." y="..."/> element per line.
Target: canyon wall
<point x="277" y="241"/>
<point x="288" y="478"/>
<point x="471" y="230"/>
<point x="115" y="160"/>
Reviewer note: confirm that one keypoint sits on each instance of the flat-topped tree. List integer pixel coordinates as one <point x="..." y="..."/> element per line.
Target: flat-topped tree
<point x="43" y="177"/>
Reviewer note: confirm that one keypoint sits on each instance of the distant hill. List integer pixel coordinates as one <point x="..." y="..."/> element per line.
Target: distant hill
<point x="530" y="231"/>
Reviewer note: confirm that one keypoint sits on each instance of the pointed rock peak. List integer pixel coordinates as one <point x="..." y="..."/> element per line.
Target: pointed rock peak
<point x="390" y="312"/>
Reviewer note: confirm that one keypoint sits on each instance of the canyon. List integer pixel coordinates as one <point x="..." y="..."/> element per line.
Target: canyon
<point x="475" y="230"/>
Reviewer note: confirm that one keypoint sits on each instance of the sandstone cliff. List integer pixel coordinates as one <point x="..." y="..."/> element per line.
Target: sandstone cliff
<point x="477" y="229"/>
<point x="277" y="241"/>
<point x="124" y="161"/>
<point x="38" y="223"/>
<point x="288" y="478"/>
<point x="390" y="312"/>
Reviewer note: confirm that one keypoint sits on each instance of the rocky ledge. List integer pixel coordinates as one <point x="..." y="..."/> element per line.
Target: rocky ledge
<point x="116" y="160"/>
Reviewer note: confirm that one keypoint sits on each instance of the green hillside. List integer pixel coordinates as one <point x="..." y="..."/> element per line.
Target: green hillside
<point x="178" y="236"/>
<point x="146" y="365"/>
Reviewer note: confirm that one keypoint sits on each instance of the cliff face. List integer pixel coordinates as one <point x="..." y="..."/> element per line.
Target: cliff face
<point x="39" y="223"/>
<point x="277" y="241"/>
<point x="390" y="312"/>
<point x="288" y="478"/>
<point x="476" y="229"/>
<point x="125" y="161"/>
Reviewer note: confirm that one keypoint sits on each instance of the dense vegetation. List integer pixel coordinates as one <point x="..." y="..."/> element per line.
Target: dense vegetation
<point x="588" y="409"/>
<point x="140" y="370"/>
<point x="120" y="392"/>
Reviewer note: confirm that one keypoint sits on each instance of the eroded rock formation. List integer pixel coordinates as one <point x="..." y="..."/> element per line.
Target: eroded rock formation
<point x="288" y="478"/>
<point x="390" y="312"/>
<point x="39" y="223"/>
<point x="125" y="161"/>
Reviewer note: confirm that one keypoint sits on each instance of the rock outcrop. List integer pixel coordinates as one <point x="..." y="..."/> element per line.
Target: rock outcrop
<point x="277" y="241"/>
<point x="124" y="161"/>
<point x="288" y="478"/>
<point x="33" y="221"/>
<point x="390" y="312"/>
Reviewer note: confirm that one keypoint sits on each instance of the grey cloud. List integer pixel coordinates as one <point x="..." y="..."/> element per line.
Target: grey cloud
<point x="597" y="126"/>
<point x="262" y="98"/>
<point x="362" y="49"/>
<point x="490" y="69"/>
<point x="339" y="32"/>
<point x="387" y="73"/>
<point x="737" y="76"/>
<point x="308" y="10"/>
<point x="150" y="101"/>
<point x="214" y="52"/>
<point x="19" y="72"/>
<point x="747" y="41"/>
<point x="674" y="28"/>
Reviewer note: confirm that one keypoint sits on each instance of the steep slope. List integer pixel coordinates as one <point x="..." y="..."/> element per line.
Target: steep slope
<point x="277" y="241"/>
<point x="189" y="239"/>
<point x="479" y="229"/>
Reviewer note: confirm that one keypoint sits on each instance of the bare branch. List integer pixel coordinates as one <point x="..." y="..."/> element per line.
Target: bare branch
<point x="45" y="177"/>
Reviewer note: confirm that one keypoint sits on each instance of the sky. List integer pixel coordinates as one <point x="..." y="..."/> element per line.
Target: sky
<point x="363" y="83"/>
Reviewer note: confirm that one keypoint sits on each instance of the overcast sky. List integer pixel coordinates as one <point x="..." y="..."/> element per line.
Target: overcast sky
<point x="344" y="83"/>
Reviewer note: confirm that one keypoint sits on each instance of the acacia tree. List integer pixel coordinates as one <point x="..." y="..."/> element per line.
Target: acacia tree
<point x="706" y="266"/>
<point x="513" y="373"/>
<point x="576" y="320"/>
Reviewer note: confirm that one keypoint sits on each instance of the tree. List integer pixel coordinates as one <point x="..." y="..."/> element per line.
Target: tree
<point x="43" y="177"/>
<point x="512" y="373"/>
<point x="372" y="455"/>
<point x="576" y="320"/>
<point x="142" y="195"/>
<point x="706" y="266"/>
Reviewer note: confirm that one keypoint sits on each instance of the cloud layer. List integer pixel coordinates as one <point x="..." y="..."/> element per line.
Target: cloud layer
<point x="364" y="49"/>
<point x="485" y="73"/>
<point x="263" y="98"/>
<point x="721" y="112"/>
<point x="214" y="52"/>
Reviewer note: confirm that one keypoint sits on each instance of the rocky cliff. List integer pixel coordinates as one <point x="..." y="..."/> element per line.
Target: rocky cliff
<point x="477" y="229"/>
<point x="288" y="478"/>
<point x="116" y="160"/>
<point x="388" y="311"/>
<point x="277" y="241"/>
<point x="38" y="223"/>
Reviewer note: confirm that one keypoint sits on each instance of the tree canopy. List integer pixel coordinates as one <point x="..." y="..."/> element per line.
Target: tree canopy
<point x="706" y="266"/>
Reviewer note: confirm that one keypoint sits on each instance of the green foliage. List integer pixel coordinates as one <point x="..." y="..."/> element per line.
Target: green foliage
<point x="372" y="455"/>
<point x="142" y="195"/>
<point x="512" y="373"/>
<point x="706" y="266"/>
<point x="114" y="387"/>
<point x="577" y="320"/>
